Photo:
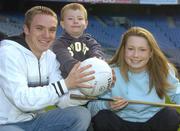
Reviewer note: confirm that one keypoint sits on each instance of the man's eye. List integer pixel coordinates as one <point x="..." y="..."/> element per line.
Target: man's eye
<point x="70" y="18"/>
<point x="39" y="28"/>
<point x="52" y="30"/>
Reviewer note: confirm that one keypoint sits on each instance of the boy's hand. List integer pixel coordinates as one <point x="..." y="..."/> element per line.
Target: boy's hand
<point x="113" y="79"/>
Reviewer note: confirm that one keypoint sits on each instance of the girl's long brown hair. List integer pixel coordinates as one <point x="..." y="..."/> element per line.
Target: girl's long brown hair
<point x="158" y="65"/>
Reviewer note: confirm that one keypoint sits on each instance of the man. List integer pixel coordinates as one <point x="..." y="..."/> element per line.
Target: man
<point x="30" y="79"/>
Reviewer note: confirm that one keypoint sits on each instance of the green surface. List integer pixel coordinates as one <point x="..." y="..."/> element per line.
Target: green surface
<point x="168" y="101"/>
<point x="178" y="109"/>
<point x="50" y="108"/>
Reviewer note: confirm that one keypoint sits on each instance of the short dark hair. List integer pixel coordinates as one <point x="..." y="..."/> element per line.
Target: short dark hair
<point x="2" y="35"/>
<point x="29" y="15"/>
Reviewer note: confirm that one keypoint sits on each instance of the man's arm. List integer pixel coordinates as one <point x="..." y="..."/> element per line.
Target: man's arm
<point x="14" y="83"/>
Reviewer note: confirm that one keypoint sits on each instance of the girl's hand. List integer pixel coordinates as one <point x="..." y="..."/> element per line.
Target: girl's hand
<point x="118" y="104"/>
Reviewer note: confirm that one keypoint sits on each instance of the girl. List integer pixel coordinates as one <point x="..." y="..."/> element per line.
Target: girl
<point x="143" y="73"/>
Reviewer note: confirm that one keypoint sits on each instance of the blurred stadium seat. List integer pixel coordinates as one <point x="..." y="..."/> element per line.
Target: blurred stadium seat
<point x="108" y="24"/>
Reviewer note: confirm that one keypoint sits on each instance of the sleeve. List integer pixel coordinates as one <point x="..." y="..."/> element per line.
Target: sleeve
<point x="14" y="83"/>
<point x="64" y="57"/>
<point x="55" y="78"/>
<point x="66" y="101"/>
<point x="174" y="92"/>
<point x="96" y="106"/>
<point x="95" y="49"/>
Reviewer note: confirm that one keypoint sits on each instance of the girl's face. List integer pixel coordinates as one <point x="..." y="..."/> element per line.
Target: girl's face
<point x="137" y="53"/>
<point x="74" y="22"/>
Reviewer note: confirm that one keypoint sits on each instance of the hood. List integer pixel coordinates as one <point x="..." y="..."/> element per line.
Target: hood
<point x="19" y="39"/>
<point x="67" y="37"/>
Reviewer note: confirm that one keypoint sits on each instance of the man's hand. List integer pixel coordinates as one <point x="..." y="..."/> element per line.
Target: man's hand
<point x="78" y="76"/>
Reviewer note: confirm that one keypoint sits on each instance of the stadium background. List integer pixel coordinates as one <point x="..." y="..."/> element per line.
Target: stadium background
<point x="108" y="19"/>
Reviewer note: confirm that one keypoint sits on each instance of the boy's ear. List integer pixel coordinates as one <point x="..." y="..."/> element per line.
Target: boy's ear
<point x="86" y="23"/>
<point x="62" y="24"/>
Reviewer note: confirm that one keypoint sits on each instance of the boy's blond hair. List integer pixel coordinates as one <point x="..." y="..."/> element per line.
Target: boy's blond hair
<point x="73" y="6"/>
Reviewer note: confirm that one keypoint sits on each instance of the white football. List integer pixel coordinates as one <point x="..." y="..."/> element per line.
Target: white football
<point x="103" y="77"/>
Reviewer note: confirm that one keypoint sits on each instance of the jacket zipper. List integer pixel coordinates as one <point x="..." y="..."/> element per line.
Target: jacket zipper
<point x="39" y="67"/>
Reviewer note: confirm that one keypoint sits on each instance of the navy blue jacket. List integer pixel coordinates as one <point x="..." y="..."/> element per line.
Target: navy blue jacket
<point x="70" y="50"/>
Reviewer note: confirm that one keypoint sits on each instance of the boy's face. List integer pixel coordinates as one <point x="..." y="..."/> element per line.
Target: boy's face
<point x="74" y="22"/>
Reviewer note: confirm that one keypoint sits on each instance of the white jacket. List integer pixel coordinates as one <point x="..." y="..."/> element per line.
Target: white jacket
<point x="27" y="85"/>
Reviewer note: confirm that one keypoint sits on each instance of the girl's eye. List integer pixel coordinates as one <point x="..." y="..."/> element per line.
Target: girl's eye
<point x="130" y="48"/>
<point x="143" y="49"/>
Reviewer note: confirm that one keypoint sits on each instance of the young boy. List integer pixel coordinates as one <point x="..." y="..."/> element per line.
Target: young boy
<point x="75" y="45"/>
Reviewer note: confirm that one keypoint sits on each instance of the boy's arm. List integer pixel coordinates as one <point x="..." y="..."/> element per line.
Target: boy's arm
<point x="64" y="57"/>
<point x="95" y="49"/>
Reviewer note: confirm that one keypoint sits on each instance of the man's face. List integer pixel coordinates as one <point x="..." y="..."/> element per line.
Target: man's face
<point x="74" y="22"/>
<point x="41" y="33"/>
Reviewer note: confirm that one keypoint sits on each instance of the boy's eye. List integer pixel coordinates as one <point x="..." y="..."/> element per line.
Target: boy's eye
<point x="80" y="18"/>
